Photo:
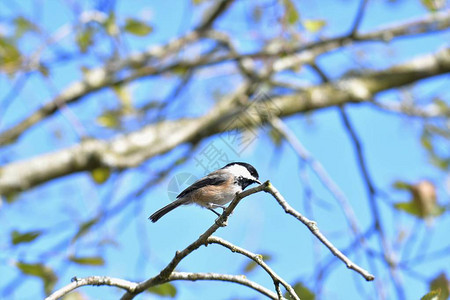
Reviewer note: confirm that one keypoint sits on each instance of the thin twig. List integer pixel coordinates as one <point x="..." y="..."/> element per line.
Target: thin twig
<point x="179" y="255"/>
<point x="358" y="18"/>
<point x="92" y="280"/>
<point x="319" y="170"/>
<point x="213" y="14"/>
<point x="371" y="191"/>
<point x="168" y="274"/>
<point x="312" y="226"/>
<point x="146" y="63"/>
<point x="428" y="111"/>
<point x="258" y="260"/>
<point x="240" y="279"/>
<point x="277" y="288"/>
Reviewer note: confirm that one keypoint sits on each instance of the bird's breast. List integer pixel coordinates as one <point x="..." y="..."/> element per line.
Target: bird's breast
<point x="215" y="194"/>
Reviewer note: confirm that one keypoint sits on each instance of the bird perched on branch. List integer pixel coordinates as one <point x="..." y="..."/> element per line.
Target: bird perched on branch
<point x="215" y="189"/>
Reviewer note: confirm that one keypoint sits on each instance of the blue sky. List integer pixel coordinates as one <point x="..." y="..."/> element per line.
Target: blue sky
<point x="391" y="148"/>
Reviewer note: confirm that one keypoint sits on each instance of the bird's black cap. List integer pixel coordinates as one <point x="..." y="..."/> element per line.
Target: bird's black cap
<point x="249" y="167"/>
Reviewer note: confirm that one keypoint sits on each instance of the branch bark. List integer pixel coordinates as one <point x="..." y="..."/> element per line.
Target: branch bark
<point x="257" y="259"/>
<point x="92" y="280"/>
<point x="153" y="61"/>
<point x="168" y="273"/>
<point x="132" y="149"/>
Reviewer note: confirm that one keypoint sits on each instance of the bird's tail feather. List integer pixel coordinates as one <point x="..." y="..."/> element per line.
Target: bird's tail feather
<point x="169" y="207"/>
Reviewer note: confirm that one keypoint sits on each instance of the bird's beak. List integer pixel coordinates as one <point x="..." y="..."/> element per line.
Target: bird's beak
<point x="257" y="181"/>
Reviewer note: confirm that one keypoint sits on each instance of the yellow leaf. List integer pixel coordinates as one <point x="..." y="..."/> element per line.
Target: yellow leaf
<point x="10" y="56"/>
<point x="88" y="260"/>
<point x="109" y="119"/>
<point x="165" y="289"/>
<point x="314" y="26"/>
<point x="124" y="95"/>
<point x="292" y="15"/>
<point x="100" y="175"/>
<point x="137" y="27"/>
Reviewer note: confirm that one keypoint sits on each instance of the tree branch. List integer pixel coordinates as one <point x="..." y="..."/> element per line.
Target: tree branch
<point x="156" y="139"/>
<point x="168" y="274"/>
<point x="151" y="62"/>
<point x="359" y="17"/>
<point x="257" y="259"/>
<point x="320" y="171"/>
<point x="312" y="226"/>
<point x="240" y="279"/>
<point x="202" y="240"/>
<point x="213" y="14"/>
<point x="92" y="280"/>
<point x="371" y="192"/>
<point x="131" y="286"/>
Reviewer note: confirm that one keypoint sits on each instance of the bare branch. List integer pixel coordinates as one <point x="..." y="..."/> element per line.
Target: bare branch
<point x="371" y="191"/>
<point x="257" y="259"/>
<point x="131" y="286"/>
<point x="320" y="171"/>
<point x="156" y="139"/>
<point x="92" y="280"/>
<point x="240" y="279"/>
<point x="312" y="226"/>
<point x="429" y="111"/>
<point x="358" y="18"/>
<point x="150" y="63"/>
<point x="168" y="274"/>
<point x="202" y="240"/>
<point x="214" y="13"/>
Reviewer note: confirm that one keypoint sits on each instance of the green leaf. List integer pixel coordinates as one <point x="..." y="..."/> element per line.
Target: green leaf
<point x="433" y="5"/>
<point x="252" y="264"/>
<point x="180" y="161"/>
<point x="410" y="207"/>
<point x="10" y="56"/>
<point x="165" y="290"/>
<point x="442" y="105"/>
<point x="124" y="95"/>
<point x="11" y="197"/>
<point x="436" y="211"/>
<point x="276" y="137"/>
<point x="292" y="15"/>
<point x="413" y="208"/>
<point x="425" y="140"/>
<point x="84" y="228"/>
<point x="433" y="295"/>
<point x="110" y="25"/>
<point x="100" y="175"/>
<point x="23" y="26"/>
<point x="180" y="70"/>
<point x="440" y="284"/>
<point x="401" y="185"/>
<point x="137" y="27"/>
<point x="85" y="39"/>
<point x="89" y="260"/>
<point x="39" y="270"/>
<point x="441" y="163"/>
<point x="197" y="2"/>
<point x="74" y="296"/>
<point x="110" y="119"/>
<point x="44" y="70"/>
<point x="314" y="26"/>
<point x="302" y="292"/>
<point x="18" y="238"/>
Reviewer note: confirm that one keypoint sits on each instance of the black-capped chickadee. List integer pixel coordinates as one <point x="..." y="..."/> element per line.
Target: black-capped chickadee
<point x="215" y="189"/>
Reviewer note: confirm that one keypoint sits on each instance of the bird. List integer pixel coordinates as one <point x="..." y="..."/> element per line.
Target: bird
<point x="215" y="189"/>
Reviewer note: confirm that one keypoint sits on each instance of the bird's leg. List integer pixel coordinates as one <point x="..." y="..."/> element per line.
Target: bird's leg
<point x="219" y="221"/>
<point x="214" y="211"/>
